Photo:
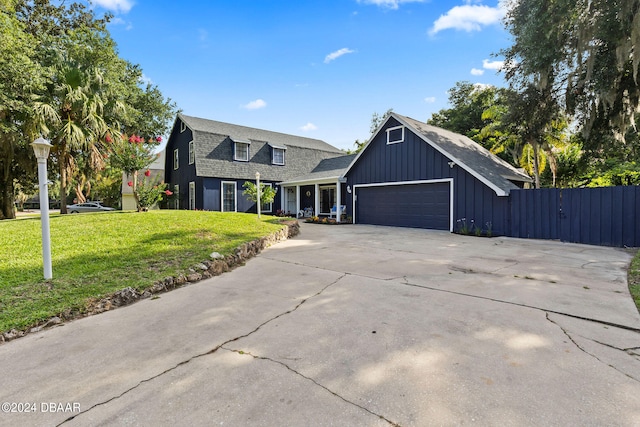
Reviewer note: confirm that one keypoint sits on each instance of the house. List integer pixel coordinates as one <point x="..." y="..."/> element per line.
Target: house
<point x="416" y="175"/>
<point x="408" y="174"/>
<point x="157" y="175"/>
<point x="208" y="162"/>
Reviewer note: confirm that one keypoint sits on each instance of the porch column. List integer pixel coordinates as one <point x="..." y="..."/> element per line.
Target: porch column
<point x="316" y="208"/>
<point x="338" y="201"/>
<point x="283" y="199"/>
<point x="297" y="200"/>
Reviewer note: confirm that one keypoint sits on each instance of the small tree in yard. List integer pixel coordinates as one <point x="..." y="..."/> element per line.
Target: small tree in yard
<point x="267" y="193"/>
<point x="133" y="154"/>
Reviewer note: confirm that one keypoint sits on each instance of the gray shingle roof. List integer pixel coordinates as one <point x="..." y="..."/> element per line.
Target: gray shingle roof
<point x="471" y="156"/>
<point x="237" y="132"/>
<point x="213" y="144"/>
<point x="328" y="168"/>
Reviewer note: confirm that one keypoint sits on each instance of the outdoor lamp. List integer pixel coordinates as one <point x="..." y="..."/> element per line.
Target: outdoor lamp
<point x="41" y="148"/>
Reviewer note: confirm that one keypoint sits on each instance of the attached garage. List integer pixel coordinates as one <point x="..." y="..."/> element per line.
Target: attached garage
<point x="411" y="174"/>
<point x="419" y="204"/>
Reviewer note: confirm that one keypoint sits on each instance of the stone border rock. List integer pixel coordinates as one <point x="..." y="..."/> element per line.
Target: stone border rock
<point x="216" y="266"/>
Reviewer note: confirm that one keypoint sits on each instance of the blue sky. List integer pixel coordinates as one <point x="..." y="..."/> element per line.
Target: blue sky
<point x="313" y="68"/>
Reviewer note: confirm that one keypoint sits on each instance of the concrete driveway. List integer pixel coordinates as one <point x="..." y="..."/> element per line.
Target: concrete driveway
<point x="353" y="325"/>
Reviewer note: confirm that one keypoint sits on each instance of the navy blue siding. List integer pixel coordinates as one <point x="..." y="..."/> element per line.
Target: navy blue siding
<point x="212" y="196"/>
<point x="416" y="160"/>
<point x="185" y="173"/>
<point x="307" y="201"/>
<point x="596" y="216"/>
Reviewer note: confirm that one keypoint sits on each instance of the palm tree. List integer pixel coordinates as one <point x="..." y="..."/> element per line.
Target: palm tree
<point x="76" y="109"/>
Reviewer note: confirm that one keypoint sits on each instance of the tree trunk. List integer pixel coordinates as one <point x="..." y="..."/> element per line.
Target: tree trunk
<point x="8" y="209"/>
<point x="7" y="201"/>
<point x="80" y="197"/>
<point x="63" y="185"/>
<point x="536" y="163"/>
<point x="553" y="164"/>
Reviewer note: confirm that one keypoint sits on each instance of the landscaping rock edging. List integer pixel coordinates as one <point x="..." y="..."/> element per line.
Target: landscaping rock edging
<point x="204" y="270"/>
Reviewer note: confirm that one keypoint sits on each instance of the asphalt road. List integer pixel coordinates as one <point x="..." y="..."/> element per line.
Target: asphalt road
<point x="353" y="326"/>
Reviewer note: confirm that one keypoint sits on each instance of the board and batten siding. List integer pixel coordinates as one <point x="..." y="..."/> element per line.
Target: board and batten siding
<point x="186" y="172"/>
<point x="212" y="196"/>
<point x="416" y="160"/>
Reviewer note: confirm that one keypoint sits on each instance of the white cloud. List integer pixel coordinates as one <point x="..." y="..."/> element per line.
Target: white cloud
<point x="119" y="21"/>
<point x="390" y="4"/>
<point x="476" y="72"/>
<point x="309" y="127"/>
<point x="430" y="99"/>
<point x="468" y="18"/>
<point x="481" y="86"/>
<point x="255" y="105"/>
<point x="337" y="54"/>
<point x="145" y="80"/>
<point x="123" y="6"/>
<point x="492" y="65"/>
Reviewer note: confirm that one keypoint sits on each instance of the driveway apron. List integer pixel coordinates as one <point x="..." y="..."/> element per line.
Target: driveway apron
<point x="353" y="325"/>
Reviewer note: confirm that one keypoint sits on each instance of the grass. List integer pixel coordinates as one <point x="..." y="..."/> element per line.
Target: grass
<point x="633" y="279"/>
<point x="95" y="255"/>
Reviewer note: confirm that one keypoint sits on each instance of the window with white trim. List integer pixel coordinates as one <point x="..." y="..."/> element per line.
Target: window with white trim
<point x="183" y="127"/>
<point x="229" y="202"/>
<point x="241" y="151"/>
<point x="176" y="163"/>
<point x="192" y="153"/>
<point x="192" y="196"/>
<point x="277" y="156"/>
<point x="267" y="207"/>
<point x="395" y="135"/>
<point x="176" y="193"/>
<point x="327" y="199"/>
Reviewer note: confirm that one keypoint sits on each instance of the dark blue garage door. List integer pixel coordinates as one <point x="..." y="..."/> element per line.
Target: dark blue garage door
<point x="408" y="205"/>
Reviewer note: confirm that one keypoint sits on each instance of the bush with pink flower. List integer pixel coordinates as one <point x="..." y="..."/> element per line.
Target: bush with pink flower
<point x="133" y="154"/>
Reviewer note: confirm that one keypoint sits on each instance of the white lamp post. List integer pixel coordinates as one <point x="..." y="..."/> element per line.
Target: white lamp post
<point x="41" y="148"/>
<point x="258" y="191"/>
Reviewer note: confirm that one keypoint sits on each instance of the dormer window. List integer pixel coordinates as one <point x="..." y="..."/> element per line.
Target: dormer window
<point x="277" y="155"/>
<point x="241" y="151"/>
<point x="395" y="135"/>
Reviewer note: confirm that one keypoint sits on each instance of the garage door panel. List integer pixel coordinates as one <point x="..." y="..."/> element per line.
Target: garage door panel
<point x="408" y="205"/>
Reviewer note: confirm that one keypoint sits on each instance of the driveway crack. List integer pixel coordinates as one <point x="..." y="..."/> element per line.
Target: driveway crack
<point x="207" y="353"/>
<point x="568" y="335"/>
<point x="517" y="304"/>
<point x="344" y="399"/>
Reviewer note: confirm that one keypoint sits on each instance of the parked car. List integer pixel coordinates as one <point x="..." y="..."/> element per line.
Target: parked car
<point x="88" y="207"/>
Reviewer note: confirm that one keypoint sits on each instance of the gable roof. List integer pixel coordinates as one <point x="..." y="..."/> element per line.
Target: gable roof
<point x="490" y="169"/>
<point x="213" y="145"/>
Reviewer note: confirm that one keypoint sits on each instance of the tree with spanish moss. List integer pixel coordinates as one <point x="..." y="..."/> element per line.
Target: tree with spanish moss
<point x="584" y="55"/>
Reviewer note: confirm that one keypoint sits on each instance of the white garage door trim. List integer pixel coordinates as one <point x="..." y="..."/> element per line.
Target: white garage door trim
<point x="398" y="183"/>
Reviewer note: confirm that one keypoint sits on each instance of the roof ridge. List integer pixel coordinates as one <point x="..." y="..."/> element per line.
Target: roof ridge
<point x="249" y="128"/>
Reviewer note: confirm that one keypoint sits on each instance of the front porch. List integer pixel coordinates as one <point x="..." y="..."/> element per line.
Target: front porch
<point x="322" y="199"/>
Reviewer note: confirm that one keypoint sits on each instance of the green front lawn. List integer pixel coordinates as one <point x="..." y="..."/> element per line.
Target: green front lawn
<point x="633" y="278"/>
<point x="95" y="255"/>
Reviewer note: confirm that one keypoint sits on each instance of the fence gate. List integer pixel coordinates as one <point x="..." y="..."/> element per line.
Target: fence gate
<point x="605" y="216"/>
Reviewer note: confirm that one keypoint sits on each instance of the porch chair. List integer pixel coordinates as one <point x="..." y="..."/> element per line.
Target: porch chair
<point x="333" y="211"/>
